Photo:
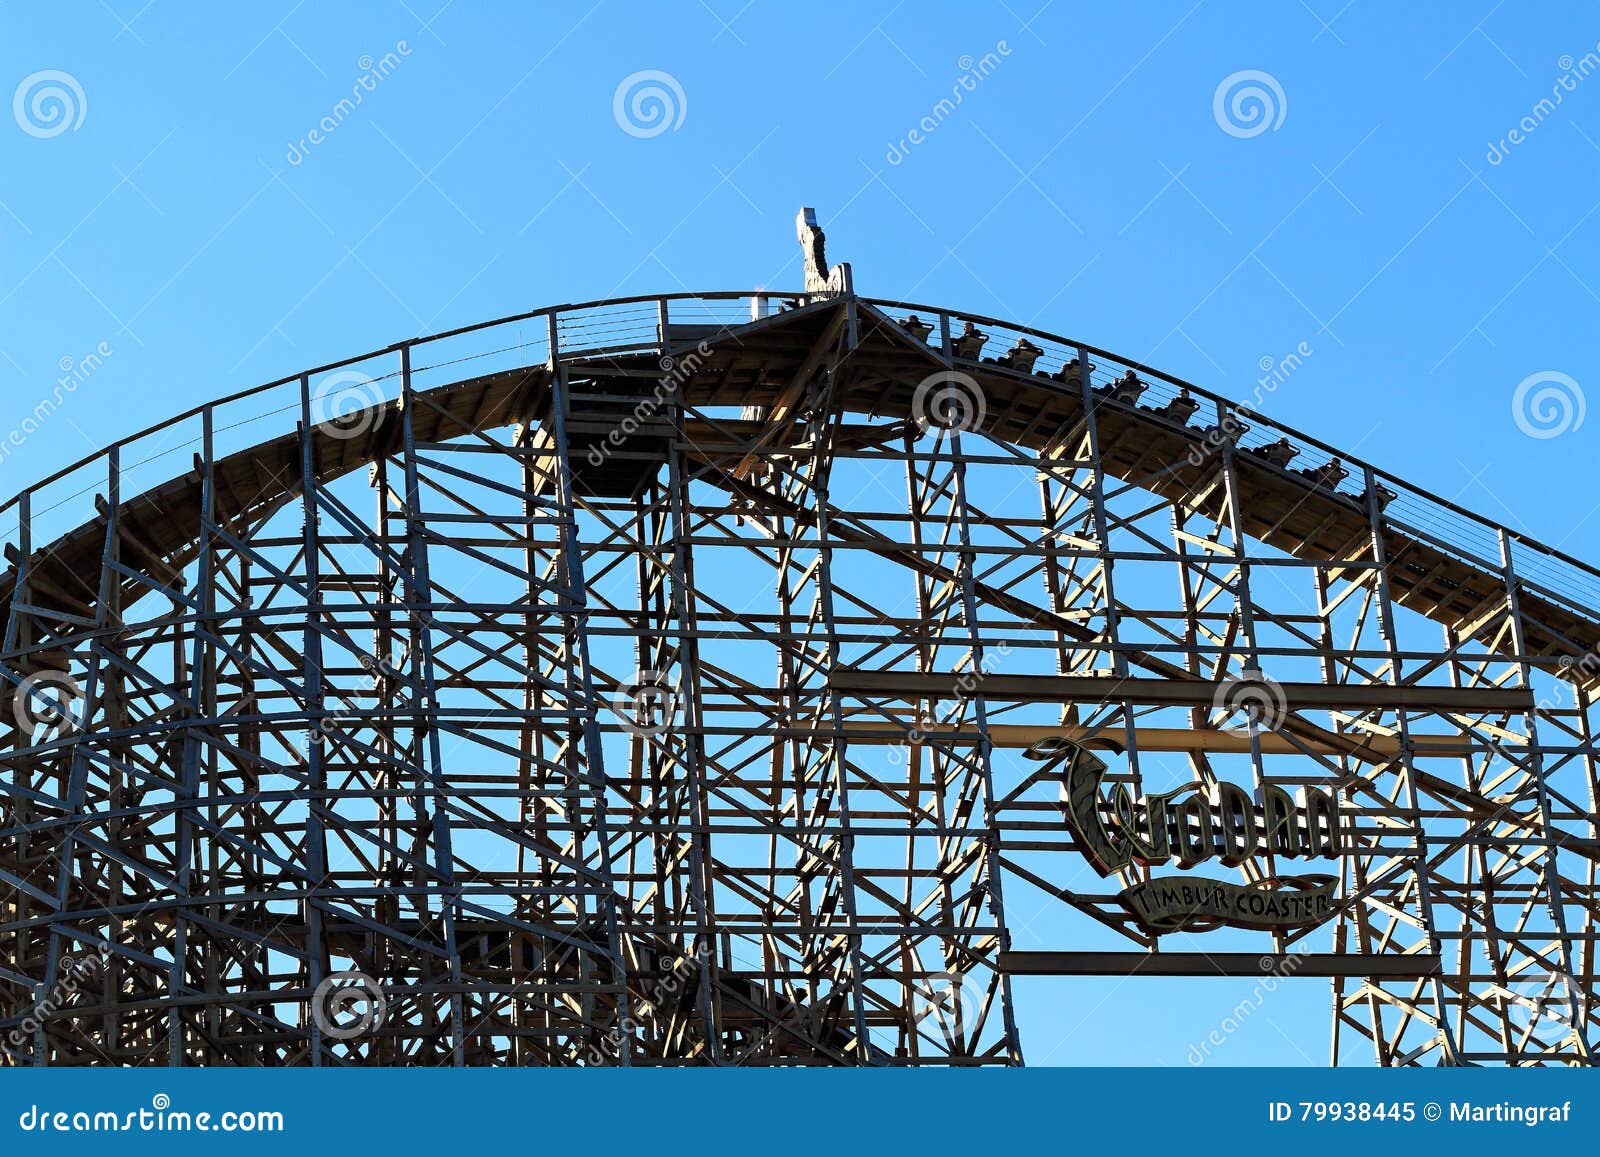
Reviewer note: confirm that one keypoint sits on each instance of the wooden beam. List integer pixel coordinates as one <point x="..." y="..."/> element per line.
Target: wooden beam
<point x="1390" y="966"/>
<point x="1182" y="739"/>
<point x="777" y="418"/>
<point x="1173" y="692"/>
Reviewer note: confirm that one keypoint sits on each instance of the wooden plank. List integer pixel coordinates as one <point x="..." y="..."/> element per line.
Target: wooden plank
<point x="1180" y="739"/>
<point x="1173" y="692"/>
<point x="1392" y="966"/>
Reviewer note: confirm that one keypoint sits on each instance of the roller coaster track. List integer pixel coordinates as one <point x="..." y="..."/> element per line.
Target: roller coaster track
<point x="575" y="890"/>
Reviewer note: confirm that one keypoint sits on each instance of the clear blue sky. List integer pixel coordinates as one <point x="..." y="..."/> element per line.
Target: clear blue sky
<point x="1084" y="185"/>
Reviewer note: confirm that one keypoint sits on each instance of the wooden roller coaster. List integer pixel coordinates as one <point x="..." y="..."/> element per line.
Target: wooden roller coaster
<point x="685" y="680"/>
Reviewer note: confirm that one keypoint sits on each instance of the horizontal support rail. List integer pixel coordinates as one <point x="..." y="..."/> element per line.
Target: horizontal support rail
<point x="1173" y="692"/>
<point x="1180" y="739"/>
<point x="1391" y="966"/>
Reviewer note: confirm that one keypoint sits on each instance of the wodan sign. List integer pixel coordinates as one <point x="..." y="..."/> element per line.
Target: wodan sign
<point x="1190" y="825"/>
<point x="1198" y="822"/>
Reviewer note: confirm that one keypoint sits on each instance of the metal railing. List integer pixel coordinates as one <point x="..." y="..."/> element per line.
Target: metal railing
<point x="633" y="324"/>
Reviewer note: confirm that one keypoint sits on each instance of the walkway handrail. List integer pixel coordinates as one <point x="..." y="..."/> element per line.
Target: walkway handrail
<point x="934" y="314"/>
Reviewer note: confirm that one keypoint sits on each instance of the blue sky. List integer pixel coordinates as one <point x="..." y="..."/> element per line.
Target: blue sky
<point x="1086" y="184"/>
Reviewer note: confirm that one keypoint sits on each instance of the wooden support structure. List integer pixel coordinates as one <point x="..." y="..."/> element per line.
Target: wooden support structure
<point x="649" y="682"/>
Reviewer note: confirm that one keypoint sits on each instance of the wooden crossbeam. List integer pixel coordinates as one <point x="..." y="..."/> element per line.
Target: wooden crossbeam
<point x="1181" y="739"/>
<point x="1174" y="692"/>
<point x="1391" y="966"/>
